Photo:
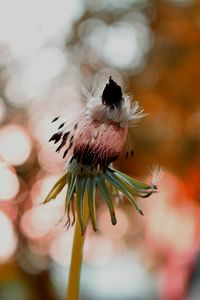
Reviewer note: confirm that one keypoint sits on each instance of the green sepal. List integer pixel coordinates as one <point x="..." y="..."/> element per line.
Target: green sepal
<point x="90" y="186"/>
<point x="138" y="185"/>
<point x="73" y="211"/>
<point x="130" y="187"/>
<point x="80" y="190"/>
<point x="111" y="177"/>
<point x="106" y="196"/>
<point x="57" y="188"/>
<point x="70" y="190"/>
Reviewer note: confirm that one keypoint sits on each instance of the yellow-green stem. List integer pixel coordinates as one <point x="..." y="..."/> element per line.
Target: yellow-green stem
<point x="76" y="259"/>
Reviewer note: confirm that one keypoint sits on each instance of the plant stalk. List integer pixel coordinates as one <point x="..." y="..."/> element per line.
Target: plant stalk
<point x="76" y="257"/>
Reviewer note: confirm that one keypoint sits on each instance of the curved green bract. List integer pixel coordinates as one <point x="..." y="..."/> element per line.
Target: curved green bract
<point x="80" y="190"/>
<point x="57" y="188"/>
<point x="106" y="196"/>
<point x="70" y="190"/>
<point x="109" y="182"/>
<point x="136" y="184"/>
<point x="73" y="211"/>
<point x="131" y="188"/>
<point x="70" y="207"/>
<point x="90" y="186"/>
<point x="111" y="177"/>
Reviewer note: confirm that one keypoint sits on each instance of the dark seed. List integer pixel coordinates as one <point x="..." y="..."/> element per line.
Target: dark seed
<point x="132" y="153"/>
<point x="70" y="145"/>
<point x="56" y="137"/>
<point x="71" y="159"/>
<point x="65" y="153"/>
<point x="141" y="212"/>
<point x="55" y="119"/>
<point x="65" y="136"/>
<point x="58" y="149"/>
<point x="64" y="140"/>
<point x="61" y="125"/>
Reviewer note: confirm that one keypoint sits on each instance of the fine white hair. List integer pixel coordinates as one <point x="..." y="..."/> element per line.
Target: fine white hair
<point x="128" y="114"/>
<point x="157" y="174"/>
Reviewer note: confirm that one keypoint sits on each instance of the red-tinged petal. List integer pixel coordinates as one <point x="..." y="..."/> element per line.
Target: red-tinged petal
<point x="98" y="144"/>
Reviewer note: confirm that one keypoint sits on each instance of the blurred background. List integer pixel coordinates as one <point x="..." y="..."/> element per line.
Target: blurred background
<point x="49" y="50"/>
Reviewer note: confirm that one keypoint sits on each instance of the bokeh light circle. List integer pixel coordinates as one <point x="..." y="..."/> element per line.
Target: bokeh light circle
<point x="40" y="220"/>
<point x="9" y="182"/>
<point x="8" y="238"/>
<point x="15" y="144"/>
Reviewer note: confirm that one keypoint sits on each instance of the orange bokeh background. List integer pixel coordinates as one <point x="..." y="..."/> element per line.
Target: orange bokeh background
<point x="49" y="51"/>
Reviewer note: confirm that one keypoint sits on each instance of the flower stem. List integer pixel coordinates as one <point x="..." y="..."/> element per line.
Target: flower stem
<point x="76" y="258"/>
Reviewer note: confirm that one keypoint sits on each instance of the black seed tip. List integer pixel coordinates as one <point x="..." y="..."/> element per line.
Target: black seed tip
<point x="112" y="94"/>
<point x="70" y="145"/>
<point x="56" y="137"/>
<point x="65" y="153"/>
<point x="113" y="220"/>
<point x="61" y="125"/>
<point x="140" y="212"/>
<point x="132" y="153"/>
<point x="71" y="159"/>
<point x="65" y="136"/>
<point x="55" y="119"/>
<point x="126" y="156"/>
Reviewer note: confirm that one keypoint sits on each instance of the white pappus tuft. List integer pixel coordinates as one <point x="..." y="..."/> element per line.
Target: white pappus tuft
<point x="129" y="113"/>
<point x="134" y="111"/>
<point x="157" y="174"/>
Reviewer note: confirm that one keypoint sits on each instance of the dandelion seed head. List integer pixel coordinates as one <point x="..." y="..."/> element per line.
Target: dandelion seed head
<point x="90" y="144"/>
<point x="96" y="137"/>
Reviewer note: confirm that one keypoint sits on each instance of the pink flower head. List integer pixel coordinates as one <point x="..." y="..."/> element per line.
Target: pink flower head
<point x="98" y="135"/>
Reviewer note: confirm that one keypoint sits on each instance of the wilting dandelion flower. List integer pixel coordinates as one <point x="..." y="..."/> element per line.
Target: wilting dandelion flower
<point x="91" y="143"/>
